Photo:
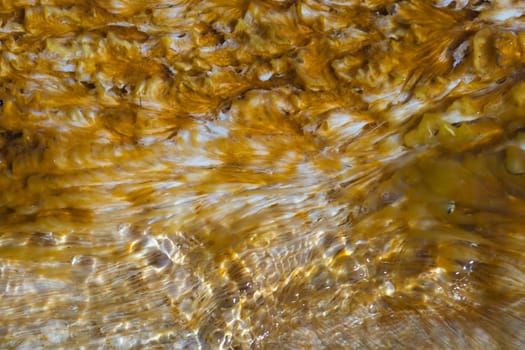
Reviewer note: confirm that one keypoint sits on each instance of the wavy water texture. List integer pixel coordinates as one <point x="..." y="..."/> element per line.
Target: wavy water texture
<point x="262" y="174"/>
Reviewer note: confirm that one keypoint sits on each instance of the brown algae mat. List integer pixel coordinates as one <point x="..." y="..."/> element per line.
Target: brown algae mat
<point x="233" y="174"/>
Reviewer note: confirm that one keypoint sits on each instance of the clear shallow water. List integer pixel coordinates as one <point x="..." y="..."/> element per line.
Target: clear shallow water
<point x="260" y="175"/>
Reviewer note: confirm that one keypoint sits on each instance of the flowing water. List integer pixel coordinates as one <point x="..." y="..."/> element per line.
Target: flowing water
<point x="181" y="174"/>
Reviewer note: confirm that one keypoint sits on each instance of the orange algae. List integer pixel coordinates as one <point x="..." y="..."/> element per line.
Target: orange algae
<point x="262" y="174"/>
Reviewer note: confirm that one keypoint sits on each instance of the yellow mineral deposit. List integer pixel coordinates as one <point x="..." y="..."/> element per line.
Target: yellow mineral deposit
<point x="235" y="174"/>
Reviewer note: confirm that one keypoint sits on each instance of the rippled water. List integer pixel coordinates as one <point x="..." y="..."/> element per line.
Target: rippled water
<point x="262" y="174"/>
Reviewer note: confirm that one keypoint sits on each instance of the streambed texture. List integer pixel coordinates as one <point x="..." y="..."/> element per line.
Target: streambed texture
<point x="237" y="174"/>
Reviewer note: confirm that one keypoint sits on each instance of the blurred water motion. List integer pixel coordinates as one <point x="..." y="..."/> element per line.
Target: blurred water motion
<point x="262" y="174"/>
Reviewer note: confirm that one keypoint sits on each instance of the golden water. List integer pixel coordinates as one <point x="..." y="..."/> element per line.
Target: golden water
<point x="262" y="174"/>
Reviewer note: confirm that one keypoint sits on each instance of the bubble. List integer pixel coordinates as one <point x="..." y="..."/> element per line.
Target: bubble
<point x="389" y="288"/>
